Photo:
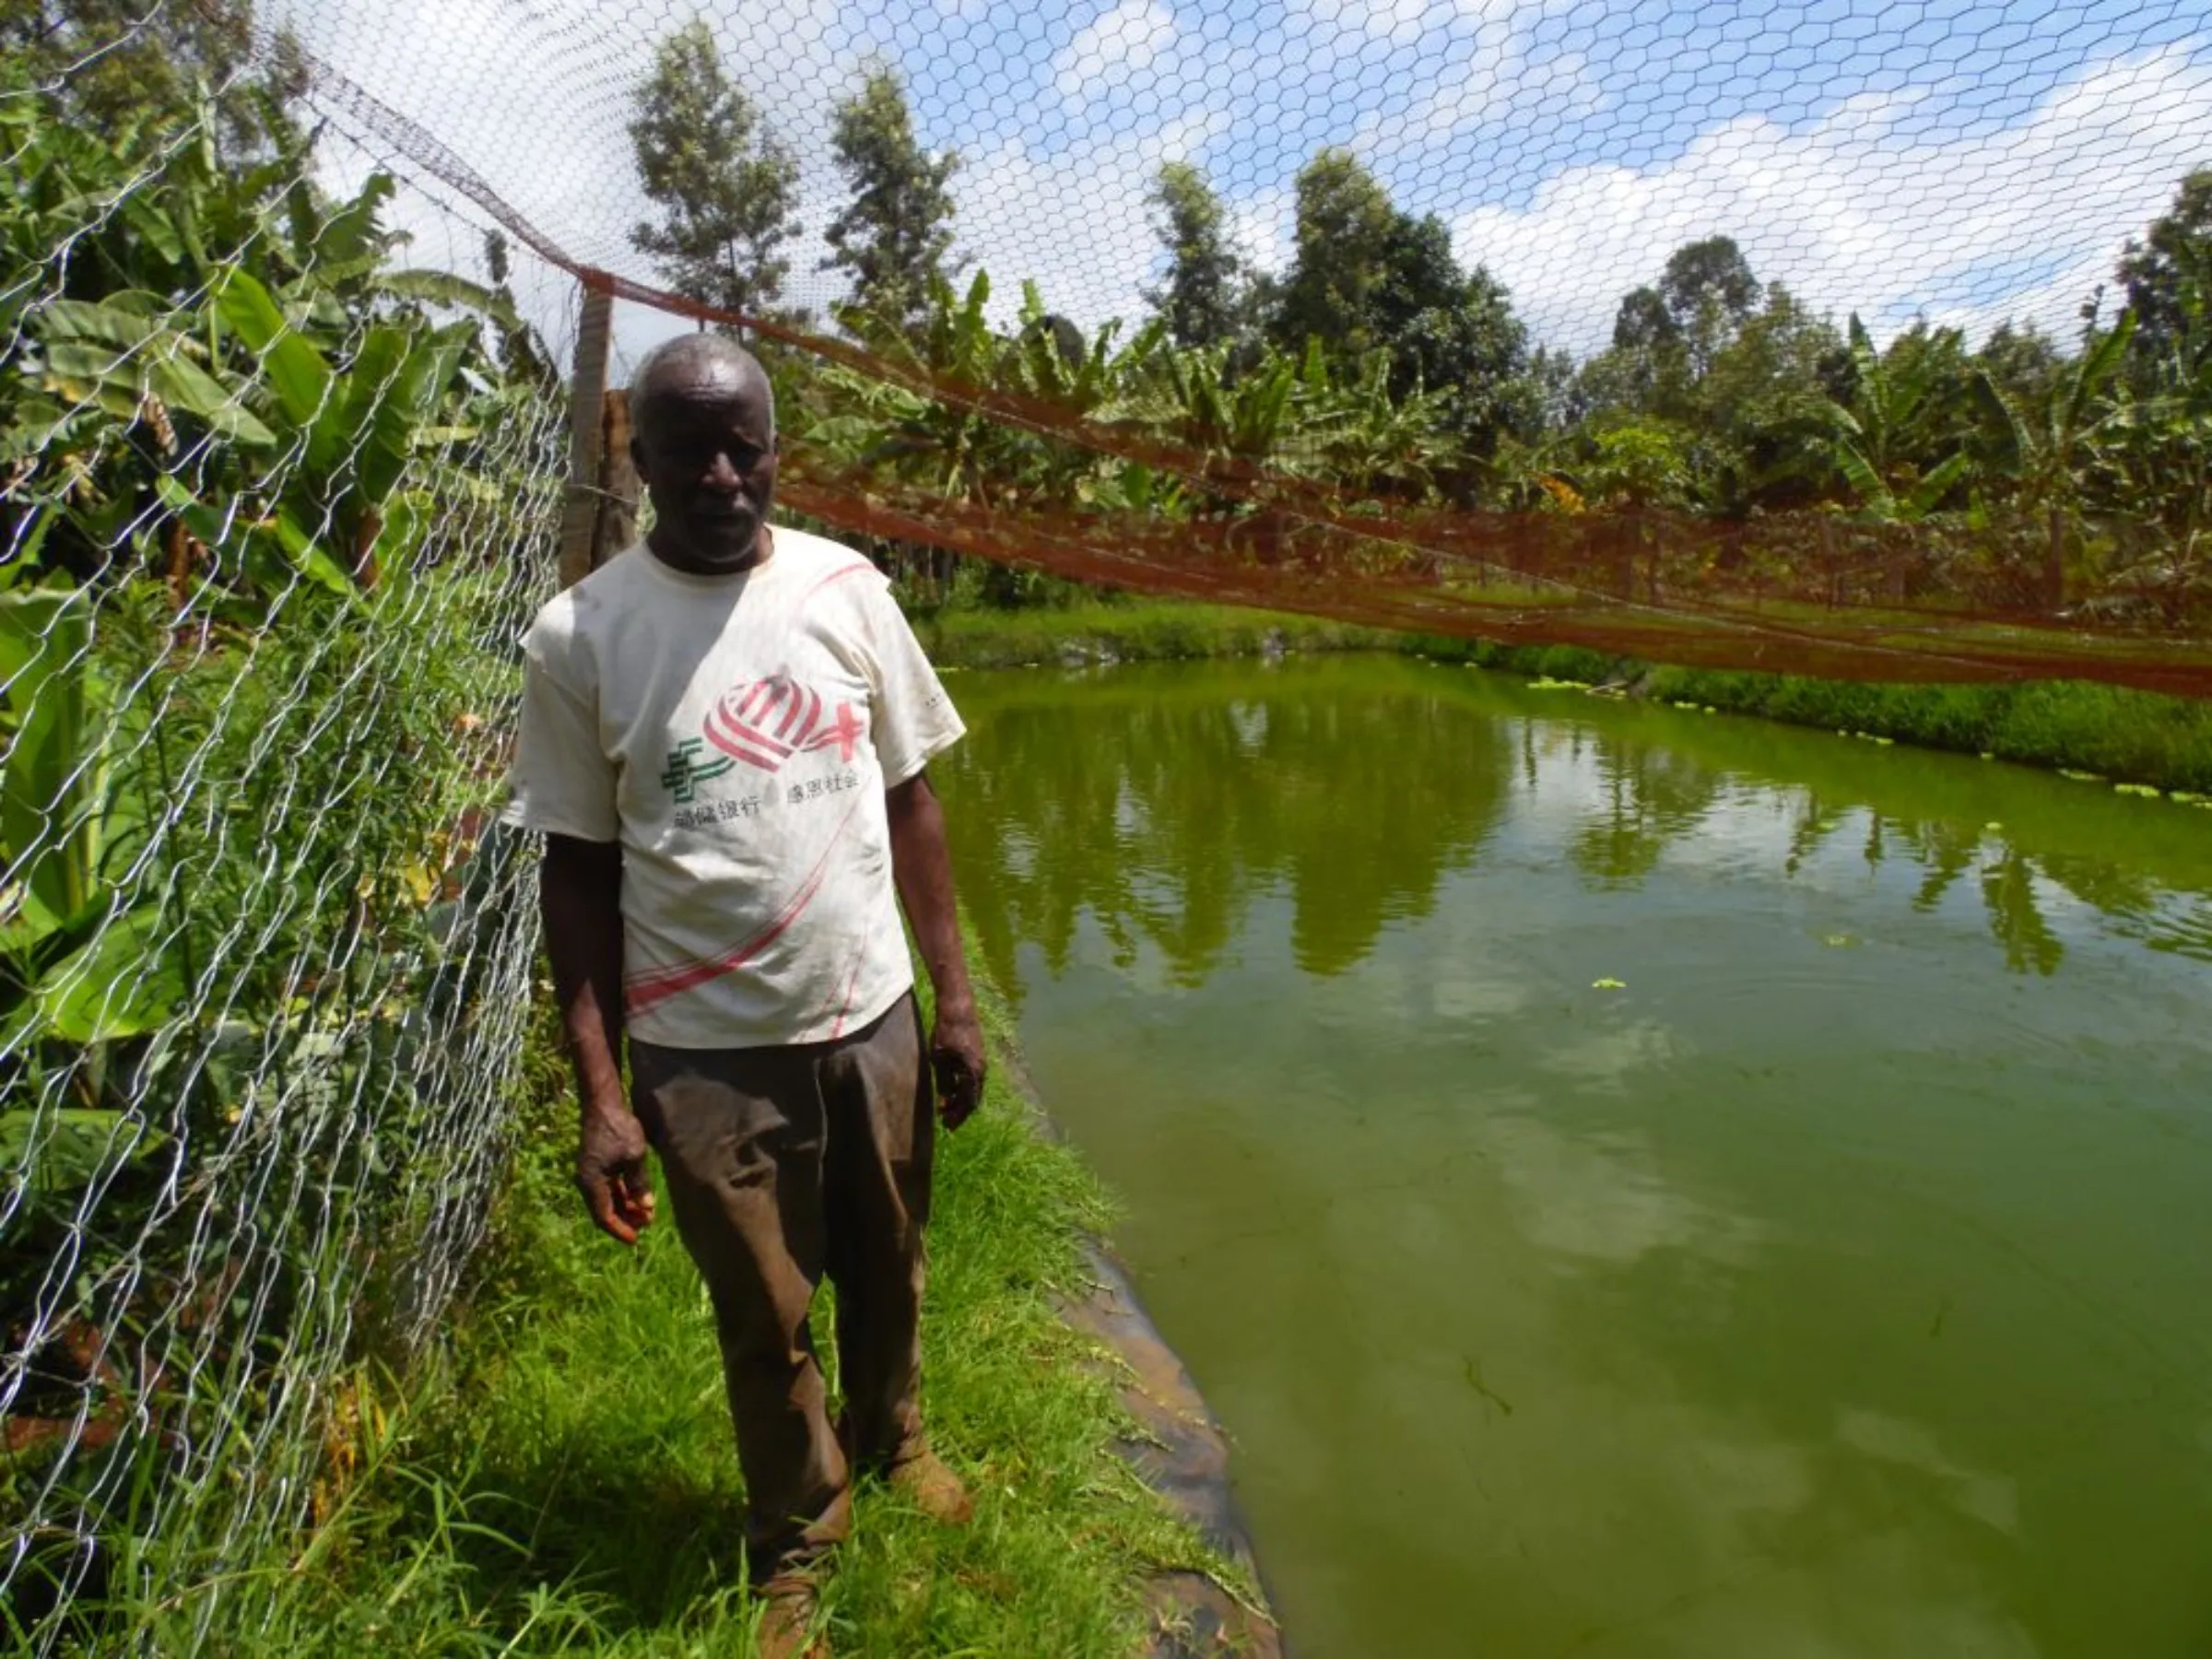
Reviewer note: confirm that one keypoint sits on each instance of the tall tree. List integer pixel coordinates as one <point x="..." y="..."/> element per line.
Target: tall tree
<point x="112" y="62"/>
<point x="2168" y="273"/>
<point x="1204" y="296"/>
<point x="726" y="187"/>
<point x="2021" y="360"/>
<point x="1345" y="225"/>
<point x="1709" y="292"/>
<point x="1642" y="323"/>
<point x="1708" y="274"/>
<point x="1450" y="334"/>
<point x="1417" y="292"/>
<point x="895" y="233"/>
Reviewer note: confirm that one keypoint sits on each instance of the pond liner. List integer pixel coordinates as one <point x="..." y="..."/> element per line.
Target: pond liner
<point x="1180" y="1450"/>
<point x="1182" y="1454"/>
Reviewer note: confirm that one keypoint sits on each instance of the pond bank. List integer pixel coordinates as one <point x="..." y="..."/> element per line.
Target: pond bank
<point x="2128" y="738"/>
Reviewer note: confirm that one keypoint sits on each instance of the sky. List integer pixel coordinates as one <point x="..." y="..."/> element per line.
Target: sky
<point x="1965" y="162"/>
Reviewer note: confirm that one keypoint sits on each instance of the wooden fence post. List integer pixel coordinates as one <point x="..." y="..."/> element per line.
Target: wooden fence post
<point x="587" y="393"/>
<point x="616" y="526"/>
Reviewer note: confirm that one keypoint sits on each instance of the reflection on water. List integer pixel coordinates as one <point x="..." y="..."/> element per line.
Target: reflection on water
<point x="1839" y="1285"/>
<point x="1169" y="802"/>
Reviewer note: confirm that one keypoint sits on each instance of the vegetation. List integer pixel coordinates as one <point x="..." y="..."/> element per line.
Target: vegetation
<point x="1729" y="444"/>
<point x="727" y="187"/>
<point x="1205" y="298"/>
<point x="271" y="502"/>
<point x="894" y="235"/>
<point x="254" y="475"/>
<point x="566" y="1482"/>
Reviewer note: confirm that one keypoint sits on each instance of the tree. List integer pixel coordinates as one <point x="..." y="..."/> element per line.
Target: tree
<point x="2023" y="363"/>
<point x="1761" y="409"/>
<point x="1417" y="293"/>
<point x="1902" y="407"/>
<point x="1708" y="274"/>
<point x="1204" y="296"/>
<point x="1453" y="334"/>
<point x="2171" y="267"/>
<point x="1710" y="293"/>
<point x="108" y="62"/>
<point x="896" y="232"/>
<point x="2050" y="448"/>
<point x="1643" y="323"/>
<point x="1346" y="229"/>
<point x="725" y="185"/>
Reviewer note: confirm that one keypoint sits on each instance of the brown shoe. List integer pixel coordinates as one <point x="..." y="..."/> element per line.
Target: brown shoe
<point x="933" y="1488"/>
<point x="787" y="1618"/>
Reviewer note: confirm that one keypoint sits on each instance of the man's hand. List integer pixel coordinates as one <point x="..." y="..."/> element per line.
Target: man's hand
<point x="955" y="1056"/>
<point x="610" y="1172"/>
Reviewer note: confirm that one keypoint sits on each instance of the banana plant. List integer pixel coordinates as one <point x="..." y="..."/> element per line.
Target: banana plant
<point x="2049" y="451"/>
<point x="1875" y="438"/>
<point x="76" y="961"/>
<point x="350" y="432"/>
<point x="304" y="484"/>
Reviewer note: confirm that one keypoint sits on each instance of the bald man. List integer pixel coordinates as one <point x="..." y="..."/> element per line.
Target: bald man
<point x="724" y="736"/>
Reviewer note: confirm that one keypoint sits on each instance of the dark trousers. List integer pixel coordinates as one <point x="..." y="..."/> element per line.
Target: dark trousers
<point x="782" y="1164"/>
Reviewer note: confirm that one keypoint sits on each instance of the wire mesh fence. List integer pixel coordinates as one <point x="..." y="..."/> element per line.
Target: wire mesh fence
<point x="1715" y="333"/>
<point x="275" y="500"/>
<point x="1872" y="344"/>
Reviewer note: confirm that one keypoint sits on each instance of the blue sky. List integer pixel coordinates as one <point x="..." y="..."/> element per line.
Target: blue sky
<point x="1965" y="162"/>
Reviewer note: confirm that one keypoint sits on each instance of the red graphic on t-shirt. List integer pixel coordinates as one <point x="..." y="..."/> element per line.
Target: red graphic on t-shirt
<point x="767" y="722"/>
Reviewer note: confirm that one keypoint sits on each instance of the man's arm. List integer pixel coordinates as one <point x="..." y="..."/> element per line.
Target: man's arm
<point x="579" y="891"/>
<point x="923" y="870"/>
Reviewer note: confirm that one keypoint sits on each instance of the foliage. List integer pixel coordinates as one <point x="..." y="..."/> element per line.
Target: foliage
<point x="1345" y="231"/>
<point x="1205" y="297"/>
<point x="248" y="464"/>
<point x="894" y="236"/>
<point x="2165" y="272"/>
<point x="497" y="1505"/>
<point x="1882" y="427"/>
<point x="105" y="64"/>
<point x="2018" y="476"/>
<point x="727" y="188"/>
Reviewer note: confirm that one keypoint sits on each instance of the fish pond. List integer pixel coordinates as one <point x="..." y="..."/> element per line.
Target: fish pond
<point x="1632" y="1182"/>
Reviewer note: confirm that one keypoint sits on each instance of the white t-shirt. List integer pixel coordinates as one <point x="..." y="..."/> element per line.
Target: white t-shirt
<point x="735" y="735"/>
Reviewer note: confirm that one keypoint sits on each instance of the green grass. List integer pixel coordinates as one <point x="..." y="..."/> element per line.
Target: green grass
<point x="2134" y="737"/>
<point x="1133" y="632"/>
<point x="564" y="1481"/>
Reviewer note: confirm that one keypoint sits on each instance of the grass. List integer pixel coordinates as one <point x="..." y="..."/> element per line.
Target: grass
<point x="2129" y="737"/>
<point x="1136" y="631"/>
<point x="2132" y="737"/>
<point x="564" y="1480"/>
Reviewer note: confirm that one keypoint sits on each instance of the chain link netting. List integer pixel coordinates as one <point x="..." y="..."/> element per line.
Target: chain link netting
<point x="277" y="493"/>
<point x="1718" y="333"/>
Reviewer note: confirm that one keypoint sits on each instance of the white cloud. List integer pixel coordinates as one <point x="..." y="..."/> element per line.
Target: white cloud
<point x="1407" y="22"/>
<point x="1263" y="226"/>
<point x="1864" y="210"/>
<point x="1493" y="78"/>
<point x="1885" y="204"/>
<point x="1075" y="220"/>
<point x="1120" y="43"/>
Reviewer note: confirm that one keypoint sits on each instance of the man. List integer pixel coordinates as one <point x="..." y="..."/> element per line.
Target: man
<point x="724" y="739"/>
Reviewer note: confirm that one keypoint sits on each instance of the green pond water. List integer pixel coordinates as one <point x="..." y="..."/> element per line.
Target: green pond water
<point x="1841" y="1284"/>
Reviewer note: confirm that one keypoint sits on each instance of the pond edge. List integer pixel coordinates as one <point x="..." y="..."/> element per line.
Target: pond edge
<point x="1179" y="1452"/>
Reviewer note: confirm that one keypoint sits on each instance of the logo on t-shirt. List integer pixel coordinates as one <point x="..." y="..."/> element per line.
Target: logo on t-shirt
<point x="765" y="722"/>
